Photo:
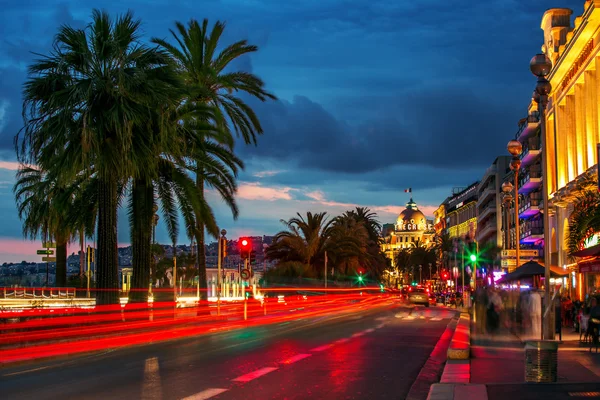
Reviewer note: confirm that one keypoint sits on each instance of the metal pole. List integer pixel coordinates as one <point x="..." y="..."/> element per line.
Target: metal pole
<point x="547" y="258"/>
<point x="88" y="272"/>
<point x="463" y="273"/>
<point x="325" y="269"/>
<point x="517" y="222"/>
<point x="175" y="275"/>
<point x="219" y="277"/>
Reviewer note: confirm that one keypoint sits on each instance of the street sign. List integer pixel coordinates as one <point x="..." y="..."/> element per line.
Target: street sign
<point x="47" y="252"/>
<point x="522" y="254"/>
<point x="245" y="274"/>
<point x="49" y="244"/>
<point x="49" y="259"/>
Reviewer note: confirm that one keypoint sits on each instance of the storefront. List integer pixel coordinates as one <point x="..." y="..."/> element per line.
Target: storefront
<point x="588" y="276"/>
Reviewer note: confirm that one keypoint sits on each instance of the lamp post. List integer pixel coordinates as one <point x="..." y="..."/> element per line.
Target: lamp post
<point x="507" y="188"/>
<point x="420" y="274"/>
<point x="540" y="65"/>
<point x="515" y="148"/>
<point x="222" y="242"/>
<point x="430" y="277"/>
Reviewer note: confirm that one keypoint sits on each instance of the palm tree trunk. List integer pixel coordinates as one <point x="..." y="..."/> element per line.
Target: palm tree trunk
<point x="201" y="253"/>
<point x="61" y="261"/>
<point x="142" y="198"/>
<point x="107" y="270"/>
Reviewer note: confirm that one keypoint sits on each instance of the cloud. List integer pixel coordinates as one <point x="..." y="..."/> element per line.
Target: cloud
<point x="264" y="174"/>
<point x="255" y="191"/>
<point x="10" y="165"/>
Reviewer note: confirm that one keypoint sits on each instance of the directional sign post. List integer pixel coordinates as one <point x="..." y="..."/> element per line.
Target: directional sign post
<point x="49" y="259"/>
<point x="45" y="252"/>
<point x="49" y="244"/>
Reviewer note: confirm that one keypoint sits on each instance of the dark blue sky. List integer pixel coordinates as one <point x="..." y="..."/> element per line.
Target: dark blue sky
<point x="375" y="96"/>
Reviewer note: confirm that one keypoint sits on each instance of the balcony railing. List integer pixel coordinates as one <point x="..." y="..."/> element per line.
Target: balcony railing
<point x="529" y="125"/>
<point x="529" y="180"/>
<point x="531" y="233"/>
<point x="530" y="205"/>
<point x="531" y="149"/>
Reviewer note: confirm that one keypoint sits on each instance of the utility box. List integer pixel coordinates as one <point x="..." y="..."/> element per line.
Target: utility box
<point x="541" y="361"/>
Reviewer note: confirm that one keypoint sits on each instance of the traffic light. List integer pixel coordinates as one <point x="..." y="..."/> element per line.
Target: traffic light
<point x="252" y="257"/>
<point x="223" y="242"/>
<point x="245" y="248"/>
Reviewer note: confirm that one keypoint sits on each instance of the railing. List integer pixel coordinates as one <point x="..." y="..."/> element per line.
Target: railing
<point x="531" y="144"/>
<point x="37" y="293"/>
<point x="527" y="231"/>
<point x="528" y="202"/>
<point x="531" y="174"/>
<point x="531" y="119"/>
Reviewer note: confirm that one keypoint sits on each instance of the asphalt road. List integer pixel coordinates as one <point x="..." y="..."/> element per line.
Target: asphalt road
<point x="369" y="354"/>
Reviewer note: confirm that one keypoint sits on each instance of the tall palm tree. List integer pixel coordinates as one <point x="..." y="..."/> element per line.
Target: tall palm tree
<point x="204" y="72"/>
<point x="86" y="97"/>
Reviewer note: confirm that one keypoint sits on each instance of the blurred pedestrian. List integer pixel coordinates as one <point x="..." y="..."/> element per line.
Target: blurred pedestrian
<point x="535" y="312"/>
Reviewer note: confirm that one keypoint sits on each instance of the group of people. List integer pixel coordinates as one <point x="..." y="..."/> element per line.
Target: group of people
<point x="520" y="312"/>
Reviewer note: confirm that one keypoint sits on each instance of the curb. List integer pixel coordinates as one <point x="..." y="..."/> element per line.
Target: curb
<point x="461" y="340"/>
<point x="454" y="384"/>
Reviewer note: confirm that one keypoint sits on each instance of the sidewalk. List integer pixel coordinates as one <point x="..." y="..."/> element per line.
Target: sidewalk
<point x="498" y="361"/>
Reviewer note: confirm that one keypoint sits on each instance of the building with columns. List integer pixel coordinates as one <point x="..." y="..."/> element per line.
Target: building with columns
<point x="572" y="123"/>
<point x="412" y="228"/>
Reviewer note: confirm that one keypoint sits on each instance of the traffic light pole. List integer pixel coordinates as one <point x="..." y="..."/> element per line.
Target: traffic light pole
<point x="88" y="272"/>
<point x="219" y="277"/>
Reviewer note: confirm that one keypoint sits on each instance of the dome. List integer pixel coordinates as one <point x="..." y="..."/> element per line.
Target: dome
<point x="411" y="219"/>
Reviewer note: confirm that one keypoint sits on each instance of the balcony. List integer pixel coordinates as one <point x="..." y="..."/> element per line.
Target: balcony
<point x="529" y="181"/>
<point x="485" y="193"/>
<point x="486" y="212"/>
<point x="528" y="127"/>
<point x="531" y="150"/>
<point x="530" y="205"/>
<point x="483" y="233"/>
<point x="531" y="233"/>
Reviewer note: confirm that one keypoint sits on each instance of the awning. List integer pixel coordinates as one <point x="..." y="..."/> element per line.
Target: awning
<point x="530" y="269"/>
<point x="589" y="266"/>
<point x="589" y="252"/>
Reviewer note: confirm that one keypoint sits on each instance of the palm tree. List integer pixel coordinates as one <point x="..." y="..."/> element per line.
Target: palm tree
<point x="584" y="220"/>
<point x="307" y="239"/>
<point x="43" y="205"/>
<point x="203" y="72"/>
<point x="86" y="98"/>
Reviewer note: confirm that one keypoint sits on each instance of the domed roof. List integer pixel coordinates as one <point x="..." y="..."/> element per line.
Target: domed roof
<point x="410" y="217"/>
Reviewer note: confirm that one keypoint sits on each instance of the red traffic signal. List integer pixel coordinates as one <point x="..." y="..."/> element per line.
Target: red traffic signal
<point x="245" y="247"/>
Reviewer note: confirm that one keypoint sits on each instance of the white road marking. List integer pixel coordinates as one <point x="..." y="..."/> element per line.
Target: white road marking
<point x="151" y="386"/>
<point x="370" y="330"/>
<point x="321" y="348"/>
<point x="295" y="358"/>
<point x="255" y="374"/>
<point x="205" y="394"/>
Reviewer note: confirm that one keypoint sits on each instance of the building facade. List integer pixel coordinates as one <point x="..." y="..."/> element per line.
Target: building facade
<point x="489" y="204"/>
<point x="572" y="125"/>
<point x="461" y="213"/>
<point x="412" y="229"/>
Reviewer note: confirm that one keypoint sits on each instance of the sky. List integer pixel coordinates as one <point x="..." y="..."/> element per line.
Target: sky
<point x="373" y="97"/>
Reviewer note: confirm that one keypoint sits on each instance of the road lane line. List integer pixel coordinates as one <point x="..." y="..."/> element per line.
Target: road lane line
<point x="255" y="374"/>
<point x="205" y="394"/>
<point x="297" y="357"/>
<point x="321" y="348"/>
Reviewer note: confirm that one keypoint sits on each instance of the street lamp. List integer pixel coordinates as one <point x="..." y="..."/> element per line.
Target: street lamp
<point x="507" y="198"/>
<point x="540" y="65"/>
<point x="220" y="251"/>
<point x="515" y="148"/>
<point x="420" y="275"/>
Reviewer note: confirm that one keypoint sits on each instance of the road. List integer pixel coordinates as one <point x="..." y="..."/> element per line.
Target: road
<point x="370" y="354"/>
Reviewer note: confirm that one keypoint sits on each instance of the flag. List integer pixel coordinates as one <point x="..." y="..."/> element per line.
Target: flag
<point x="409" y="190"/>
